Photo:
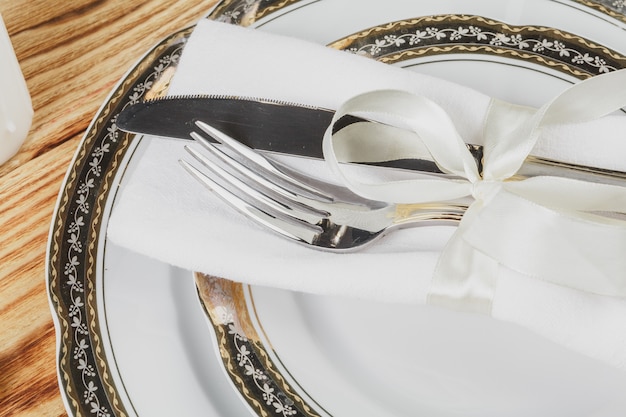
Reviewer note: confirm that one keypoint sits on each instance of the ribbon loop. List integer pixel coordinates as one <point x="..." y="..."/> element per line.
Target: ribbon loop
<point x="546" y="227"/>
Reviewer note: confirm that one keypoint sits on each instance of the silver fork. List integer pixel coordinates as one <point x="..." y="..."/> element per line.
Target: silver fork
<point x="300" y="208"/>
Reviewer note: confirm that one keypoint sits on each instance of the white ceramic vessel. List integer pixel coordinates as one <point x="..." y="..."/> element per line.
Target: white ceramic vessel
<point x="16" y="112"/>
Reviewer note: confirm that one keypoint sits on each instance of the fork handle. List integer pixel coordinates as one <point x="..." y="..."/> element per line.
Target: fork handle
<point x="429" y="213"/>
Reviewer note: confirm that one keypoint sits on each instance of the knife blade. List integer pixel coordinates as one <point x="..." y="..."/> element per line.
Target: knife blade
<point x="296" y="129"/>
<point x="266" y="125"/>
<point x="260" y="124"/>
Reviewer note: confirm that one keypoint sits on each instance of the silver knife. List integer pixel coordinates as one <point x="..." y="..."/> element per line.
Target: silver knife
<point x="296" y="129"/>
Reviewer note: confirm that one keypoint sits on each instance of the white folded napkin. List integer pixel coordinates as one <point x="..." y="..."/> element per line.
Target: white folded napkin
<point x="163" y="213"/>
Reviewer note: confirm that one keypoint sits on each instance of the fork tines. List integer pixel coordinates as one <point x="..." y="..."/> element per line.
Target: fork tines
<point x="251" y="184"/>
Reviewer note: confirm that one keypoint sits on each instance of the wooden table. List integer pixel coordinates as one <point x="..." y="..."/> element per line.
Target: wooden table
<point x="72" y="53"/>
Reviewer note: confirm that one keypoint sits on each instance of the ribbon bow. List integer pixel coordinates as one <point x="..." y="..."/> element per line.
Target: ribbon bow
<point x="545" y="227"/>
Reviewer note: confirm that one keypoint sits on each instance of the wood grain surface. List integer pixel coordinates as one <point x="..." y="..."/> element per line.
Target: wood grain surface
<point x="72" y="53"/>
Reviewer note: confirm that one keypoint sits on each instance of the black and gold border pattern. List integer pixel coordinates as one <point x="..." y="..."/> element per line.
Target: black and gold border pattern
<point x="244" y="355"/>
<point x="455" y="34"/>
<point x="77" y="227"/>
<point x="245" y="13"/>
<point x="615" y="9"/>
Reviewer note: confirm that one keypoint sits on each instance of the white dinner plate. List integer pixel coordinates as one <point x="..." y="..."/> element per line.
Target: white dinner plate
<point x="132" y="336"/>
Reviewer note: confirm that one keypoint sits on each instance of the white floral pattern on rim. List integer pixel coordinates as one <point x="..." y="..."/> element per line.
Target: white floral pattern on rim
<point x="429" y="36"/>
<point x="247" y="363"/>
<point x="282" y="405"/>
<point x="83" y="352"/>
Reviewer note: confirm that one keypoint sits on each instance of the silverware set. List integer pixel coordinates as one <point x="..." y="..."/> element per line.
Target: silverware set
<point x="313" y="212"/>
<point x="298" y="207"/>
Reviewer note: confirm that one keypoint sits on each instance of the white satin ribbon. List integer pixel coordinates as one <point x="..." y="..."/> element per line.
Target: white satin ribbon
<point x="543" y="227"/>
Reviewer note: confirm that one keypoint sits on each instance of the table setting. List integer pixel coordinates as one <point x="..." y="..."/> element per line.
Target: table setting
<point x="494" y="127"/>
